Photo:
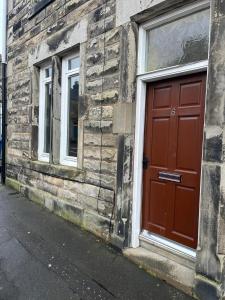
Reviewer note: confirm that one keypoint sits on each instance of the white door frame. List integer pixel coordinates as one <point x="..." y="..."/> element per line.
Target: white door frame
<point x="142" y="80"/>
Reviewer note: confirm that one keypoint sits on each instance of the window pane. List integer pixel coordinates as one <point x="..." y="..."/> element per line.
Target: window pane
<point x="48" y="72"/>
<point x="73" y="63"/>
<point x="179" y="42"/>
<point x="48" y="97"/>
<point x="73" y="97"/>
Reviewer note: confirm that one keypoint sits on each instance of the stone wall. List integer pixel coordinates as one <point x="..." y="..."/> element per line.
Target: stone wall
<point x="93" y="191"/>
<point x="211" y="251"/>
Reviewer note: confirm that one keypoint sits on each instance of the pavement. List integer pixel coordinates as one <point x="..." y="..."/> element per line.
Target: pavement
<point x="44" y="257"/>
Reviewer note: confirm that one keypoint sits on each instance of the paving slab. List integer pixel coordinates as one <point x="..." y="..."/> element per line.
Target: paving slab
<point x="44" y="257"/>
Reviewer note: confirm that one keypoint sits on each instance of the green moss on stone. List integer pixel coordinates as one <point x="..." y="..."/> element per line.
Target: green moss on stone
<point x="14" y="184"/>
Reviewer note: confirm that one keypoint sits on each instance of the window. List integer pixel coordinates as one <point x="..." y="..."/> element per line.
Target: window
<point x="176" y="39"/>
<point x="179" y="42"/>
<point x="45" y="98"/>
<point x="69" y="110"/>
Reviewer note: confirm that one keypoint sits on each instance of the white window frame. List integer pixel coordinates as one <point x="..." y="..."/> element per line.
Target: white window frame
<point x="142" y="79"/>
<point x="42" y="156"/>
<point x="65" y="159"/>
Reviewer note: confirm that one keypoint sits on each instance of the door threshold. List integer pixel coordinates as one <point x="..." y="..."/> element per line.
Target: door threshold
<point x="166" y="244"/>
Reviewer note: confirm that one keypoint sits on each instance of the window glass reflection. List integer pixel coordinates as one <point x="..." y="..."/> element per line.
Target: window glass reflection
<point x="48" y="97"/>
<point x="179" y="42"/>
<point x="48" y="72"/>
<point x="73" y="63"/>
<point x="73" y="97"/>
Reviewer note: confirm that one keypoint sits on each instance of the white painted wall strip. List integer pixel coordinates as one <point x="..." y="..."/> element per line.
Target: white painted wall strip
<point x="3" y="30"/>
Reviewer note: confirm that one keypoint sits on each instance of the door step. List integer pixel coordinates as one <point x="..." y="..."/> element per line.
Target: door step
<point x="154" y="261"/>
<point x="167" y="248"/>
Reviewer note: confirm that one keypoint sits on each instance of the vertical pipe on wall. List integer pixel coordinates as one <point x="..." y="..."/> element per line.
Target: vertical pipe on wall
<point x="3" y="34"/>
<point x="4" y="124"/>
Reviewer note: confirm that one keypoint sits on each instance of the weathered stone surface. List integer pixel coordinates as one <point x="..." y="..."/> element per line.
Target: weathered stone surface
<point x="96" y="139"/>
<point x="208" y="263"/>
<point x="213" y="146"/>
<point x="207" y="290"/>
<point x="106" y="97"/>
<point x="98" y="126"/>
<point x="123" y="118"/>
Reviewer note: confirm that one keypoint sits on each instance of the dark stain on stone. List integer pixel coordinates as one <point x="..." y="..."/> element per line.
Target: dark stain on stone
<point x="120" y="160"/>
<point x="62" y="36"/>
<point x="16" y="26"/>
<point x="120" y="225"/>
<point x="129" y="160"/>
<point x="104" y="223"/>
<point x="213" y="149"/>
<point x="36" y="112"/>
<point x="34" y="140"/>
<point x="101" y="28"/>
<point x="208" y="263"/>
<point x="220" y="7"/>
<point x="12" y="171"/>
<point x="38" y="6"/>
<point x="20" y="5"/>
<point x="16" y="51"/>
<point x="75" y="5"/>
<point x="53" y="29"/>
<point x="205" y="290"/>
<point x="124" y="65"/>
<point x="34" y="31"/>
<point x="57" y="69"/>
<point x="95" y="58"/>
<point x="21" y="32"/>
<point x="127" y="228"/>
<point x="83" y="105"/>
<point x="98" y="14"/>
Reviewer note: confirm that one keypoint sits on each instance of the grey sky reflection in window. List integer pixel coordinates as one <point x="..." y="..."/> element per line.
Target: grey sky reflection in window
<point x="73" y="85"/>
<point x="179" y="42"/>
<point x="48" y="97"/>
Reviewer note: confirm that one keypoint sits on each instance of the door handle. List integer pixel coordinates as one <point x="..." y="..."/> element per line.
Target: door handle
<point x="174" y="177"/>
<point x="145" y="162"/>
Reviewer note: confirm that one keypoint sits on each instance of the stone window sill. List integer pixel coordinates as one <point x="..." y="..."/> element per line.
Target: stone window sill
<point x="59" y="171"/>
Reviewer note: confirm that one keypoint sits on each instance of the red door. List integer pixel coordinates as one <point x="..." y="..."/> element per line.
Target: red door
<point x="172" y="157"/>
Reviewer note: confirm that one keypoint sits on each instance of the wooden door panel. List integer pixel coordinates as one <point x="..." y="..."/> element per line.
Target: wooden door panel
<point x="190" y="93"/>
<point x="189" y="111"/>
<point x="160" y="141"/>
<point x="161" y="113"/>
<point x="187" y="143"/>
<point x="158" y="206"/>
<point x="162" y="97"/>
<point x="184" y="213"/>
<point x="173" y="145"/>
